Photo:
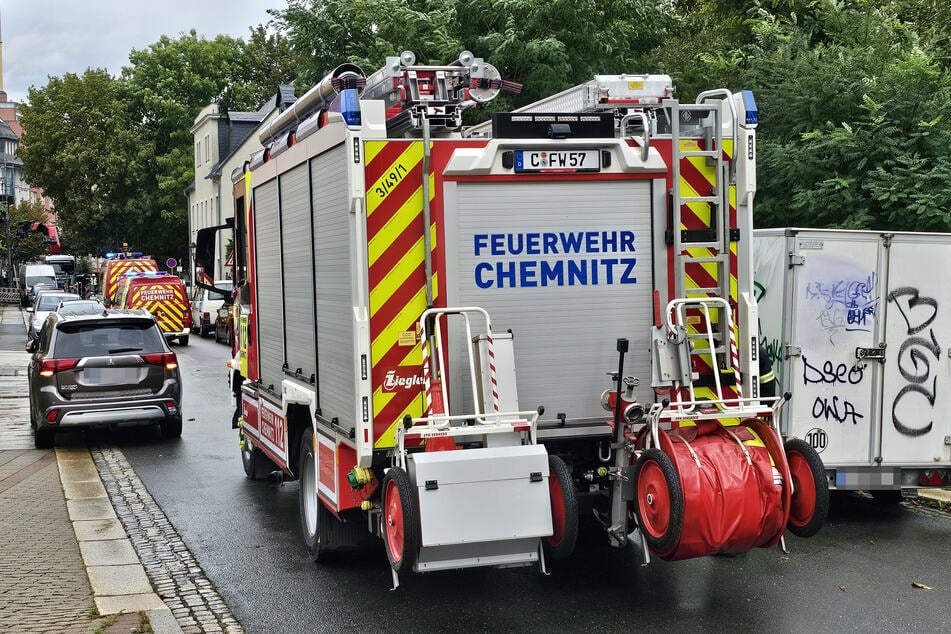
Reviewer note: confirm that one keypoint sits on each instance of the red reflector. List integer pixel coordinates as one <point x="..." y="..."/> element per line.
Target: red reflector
<point x="412" y="438"/>
<point x="49" y="367"/>
<point x="168" y="359"/>
<point x="51" y="415"/>
<point x="521" y="426"/>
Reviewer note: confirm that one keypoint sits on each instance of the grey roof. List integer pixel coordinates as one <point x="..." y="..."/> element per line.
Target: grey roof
<point x="235" y="129"/>
<point x="6" y="132"/>
<point x="285" y="96"/>
<point x="256" y="117"/>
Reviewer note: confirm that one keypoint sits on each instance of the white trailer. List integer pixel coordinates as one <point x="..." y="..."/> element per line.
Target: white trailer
<point x="858" y="326"/>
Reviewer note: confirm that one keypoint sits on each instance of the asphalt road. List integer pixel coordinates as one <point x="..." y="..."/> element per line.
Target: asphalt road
<point x="856" y="575"/>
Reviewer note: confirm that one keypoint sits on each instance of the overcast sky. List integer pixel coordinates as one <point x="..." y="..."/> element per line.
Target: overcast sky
<point x="55" y="37"/>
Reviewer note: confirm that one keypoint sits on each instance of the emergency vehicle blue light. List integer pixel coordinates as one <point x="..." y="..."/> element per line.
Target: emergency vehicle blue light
<point x="137" y="254"/>
<point x="349" y="104"/>
<point x="752" y="113"/>
<point x="108" y="255"/>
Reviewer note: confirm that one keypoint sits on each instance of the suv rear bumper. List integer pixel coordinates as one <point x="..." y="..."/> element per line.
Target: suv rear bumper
<point x="110" y="412"/>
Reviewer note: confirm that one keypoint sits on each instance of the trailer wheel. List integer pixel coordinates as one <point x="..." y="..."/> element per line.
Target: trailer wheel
<point x="400" y="520"/>
<point x="809" y="505"/>
<point x="659" y="500"/>
<point x="564" y="510"/>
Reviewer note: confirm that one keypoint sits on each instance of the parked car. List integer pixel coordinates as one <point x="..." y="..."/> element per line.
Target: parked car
<point x="205" y="305"/>
<point x="46" y="302"/>
<point x="224" y="325"/>
<point x="83" y="306"/>
<point x="33" y="277"/>
<point x="102" y="369"/>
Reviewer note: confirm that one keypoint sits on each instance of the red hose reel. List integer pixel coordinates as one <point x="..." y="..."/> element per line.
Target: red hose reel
<point x="711" y="489"/>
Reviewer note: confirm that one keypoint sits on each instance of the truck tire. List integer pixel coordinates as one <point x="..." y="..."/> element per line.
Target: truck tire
<point x="171" y="427"/>
<point x="810" y="495"/>
<point x="400" y="520"/>
<point x="658" y="500"/>
<point x="183" y="340"/>
<point x="256" y="464"/>
<point x="564" y="510"/>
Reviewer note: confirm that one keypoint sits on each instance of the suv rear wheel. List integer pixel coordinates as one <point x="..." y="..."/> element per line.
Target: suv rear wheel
<point x="171" y="427"/>
<point x="43" y="437"/>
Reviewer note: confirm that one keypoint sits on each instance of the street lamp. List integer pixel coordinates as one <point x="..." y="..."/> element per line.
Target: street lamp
<point x="7" y="199"/>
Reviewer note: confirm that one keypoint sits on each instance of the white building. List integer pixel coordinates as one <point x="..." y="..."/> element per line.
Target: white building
<point x="223" y="141"/>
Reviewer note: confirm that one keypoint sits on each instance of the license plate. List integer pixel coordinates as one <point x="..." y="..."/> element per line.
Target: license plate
<point x="557" y="160"/>
<point x="110" y="376"/>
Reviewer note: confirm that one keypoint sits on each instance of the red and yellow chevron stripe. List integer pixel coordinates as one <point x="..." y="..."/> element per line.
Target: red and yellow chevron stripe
<point x="166" y="301"/>
<point x="697" y="178"/>
<point x="116" y="270"/>
<point x="397" y="279"/>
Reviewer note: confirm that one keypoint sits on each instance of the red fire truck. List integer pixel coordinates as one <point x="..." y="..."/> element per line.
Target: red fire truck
<point x="429" y="316"/>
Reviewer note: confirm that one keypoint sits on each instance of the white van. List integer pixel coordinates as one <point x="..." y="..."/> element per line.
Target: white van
<point x="205" y="305"/>
<point x="33" y="276"/>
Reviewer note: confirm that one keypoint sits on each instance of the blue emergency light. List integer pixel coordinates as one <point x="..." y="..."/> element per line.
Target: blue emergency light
<point x="752" y="113"/>
<point x="348" y="103"/>
<point x="108" y="255"/>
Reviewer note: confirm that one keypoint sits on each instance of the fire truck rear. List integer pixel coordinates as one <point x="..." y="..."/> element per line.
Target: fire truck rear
<point x="429" y="318"/>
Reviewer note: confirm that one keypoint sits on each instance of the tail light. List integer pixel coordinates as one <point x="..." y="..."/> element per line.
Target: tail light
<point x="166" y="359"/>
<point x="206" y="316"/>
<point x="49" y="367"/>
<point x="52" y="415"/>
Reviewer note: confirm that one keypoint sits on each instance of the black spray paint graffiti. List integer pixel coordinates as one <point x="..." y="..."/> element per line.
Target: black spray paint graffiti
<point x="840" y="410"/>
<point x="915" y="355"/>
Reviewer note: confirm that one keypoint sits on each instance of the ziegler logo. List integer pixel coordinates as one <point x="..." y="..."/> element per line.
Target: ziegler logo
<point x="394" y="382"/>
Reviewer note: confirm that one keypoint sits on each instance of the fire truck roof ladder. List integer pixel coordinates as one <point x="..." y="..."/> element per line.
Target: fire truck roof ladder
<point x="603" y="93"/>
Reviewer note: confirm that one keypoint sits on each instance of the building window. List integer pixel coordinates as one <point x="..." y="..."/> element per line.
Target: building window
<point x="198" y="154"/>
<point x="207" y="147"/>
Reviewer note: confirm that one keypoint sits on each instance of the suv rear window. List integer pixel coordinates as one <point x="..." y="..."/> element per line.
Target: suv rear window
<point x="84" y="339"/>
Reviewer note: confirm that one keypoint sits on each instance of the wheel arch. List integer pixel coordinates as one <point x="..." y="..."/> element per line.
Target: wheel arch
<point x="298" y="419"/>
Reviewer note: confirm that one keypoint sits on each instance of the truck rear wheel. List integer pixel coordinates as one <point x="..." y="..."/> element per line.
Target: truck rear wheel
<point x="183" y="340"/>
<point x="400" y="520"/>
<point x="256" y="464"/>
<point x="809" y="504"/>
<point x="311" y="508"/>
<point x="564" y="510"/>
<point x="658" y="500"/>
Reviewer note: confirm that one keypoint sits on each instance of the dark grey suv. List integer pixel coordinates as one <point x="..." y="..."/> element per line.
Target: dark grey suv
<point x="102" y="368"/>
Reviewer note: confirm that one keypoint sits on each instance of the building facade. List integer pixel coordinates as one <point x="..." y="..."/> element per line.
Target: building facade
<point x="223" y="142"/>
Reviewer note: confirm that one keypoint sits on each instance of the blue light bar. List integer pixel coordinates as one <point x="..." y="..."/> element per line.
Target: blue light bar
<point x="108" y="255"/>
<point x="752" y="113"/>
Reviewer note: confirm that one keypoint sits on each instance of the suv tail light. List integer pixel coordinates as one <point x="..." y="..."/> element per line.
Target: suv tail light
<point x="49" y="367"/>
<point x="167" y="359"/>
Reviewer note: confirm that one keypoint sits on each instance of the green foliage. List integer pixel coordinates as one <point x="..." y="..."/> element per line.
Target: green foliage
<point x="852" y="96"/>
<point x="29" y="248"/>
<point x="82" y="147"/>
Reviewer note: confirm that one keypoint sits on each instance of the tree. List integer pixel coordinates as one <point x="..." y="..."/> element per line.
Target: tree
<point x="853" y="130"/>
<point x="82" y="146"/>
<point x="28" y="248"/>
